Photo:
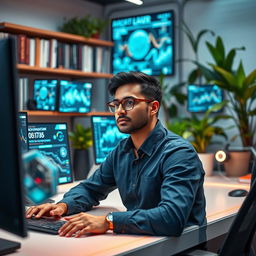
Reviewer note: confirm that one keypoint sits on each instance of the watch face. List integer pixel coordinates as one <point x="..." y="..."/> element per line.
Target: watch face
<point x="110" y="217"/>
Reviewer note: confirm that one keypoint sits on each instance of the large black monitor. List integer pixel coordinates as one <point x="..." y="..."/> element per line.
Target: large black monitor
<point x="45" y="94"/>
<point x="202" y="97"/>
<point x="23" y="131"/>
<point x="51" y="139"/>
<point x="144" y="43"/>
<point x="74" y="96"/>
<point x="106" y="136"/>
<point x="12" y="217"/>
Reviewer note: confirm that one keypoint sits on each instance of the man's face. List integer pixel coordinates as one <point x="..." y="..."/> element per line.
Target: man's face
<point x="136" y="118"/>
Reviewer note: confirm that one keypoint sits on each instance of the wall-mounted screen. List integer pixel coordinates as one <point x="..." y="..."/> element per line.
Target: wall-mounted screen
<point x="51" y="139"/>
<point x="105" y="136"/>
<point x="202" y="97"/>
<point x="45" y="94"/>
<point x="144" y="43"/>
<point x="75" y="96"/>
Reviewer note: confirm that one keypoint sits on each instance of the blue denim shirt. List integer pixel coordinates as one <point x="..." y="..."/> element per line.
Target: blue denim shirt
<point x="162" y="189"/>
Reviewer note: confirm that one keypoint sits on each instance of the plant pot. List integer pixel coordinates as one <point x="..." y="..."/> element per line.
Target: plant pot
<point x="81" y="164"/>
<point x="207" y="160"/>
<point x="238" y="163"/>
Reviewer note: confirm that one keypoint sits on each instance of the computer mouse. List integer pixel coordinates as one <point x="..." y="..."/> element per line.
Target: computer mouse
<point x="238" y="192"/>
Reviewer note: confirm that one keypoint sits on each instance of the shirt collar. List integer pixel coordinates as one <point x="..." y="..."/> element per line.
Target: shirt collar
<point x="149" y="144"/>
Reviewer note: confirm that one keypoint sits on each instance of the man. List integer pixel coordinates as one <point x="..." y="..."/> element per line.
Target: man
<point x="158" y="174"/>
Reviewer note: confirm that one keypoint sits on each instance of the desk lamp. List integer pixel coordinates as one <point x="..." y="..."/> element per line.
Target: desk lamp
<point x="223" y="156"/>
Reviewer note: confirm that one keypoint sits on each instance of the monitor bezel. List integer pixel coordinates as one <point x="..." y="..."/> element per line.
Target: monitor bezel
<point x="205" y="86"/>
<point x="56" y="93"/>
<point x="71" y="166"/>
<point x="59" y="96"/>
<point x="172" y="11"/>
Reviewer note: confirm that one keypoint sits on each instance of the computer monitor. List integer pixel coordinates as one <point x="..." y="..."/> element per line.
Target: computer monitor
<point x="51" y="139"/>
<point x="144" y="43"/>
<point x="45" y="94"/>
<point x="75" y="96"/>
<point x="106" y="136"/>
<point x="12" y="217"/>
<point x="23" y="131"/>
<point x="202" y="97"/>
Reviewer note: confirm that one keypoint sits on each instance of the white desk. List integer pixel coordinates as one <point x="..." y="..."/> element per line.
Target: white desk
<point x="221" y="210"/>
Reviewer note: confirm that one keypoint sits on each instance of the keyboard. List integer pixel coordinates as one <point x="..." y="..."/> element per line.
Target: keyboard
<point x="45" y="225"/>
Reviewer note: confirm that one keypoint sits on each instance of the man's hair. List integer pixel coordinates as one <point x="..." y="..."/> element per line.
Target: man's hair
<point x="150" y="86"/>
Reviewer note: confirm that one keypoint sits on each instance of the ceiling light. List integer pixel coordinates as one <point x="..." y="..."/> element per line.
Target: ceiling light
<point x="138" y="2"/>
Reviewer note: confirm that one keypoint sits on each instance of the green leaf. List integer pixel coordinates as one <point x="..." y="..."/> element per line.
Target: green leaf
<point x="229" y="60"/>
<point x="240" y="75"/>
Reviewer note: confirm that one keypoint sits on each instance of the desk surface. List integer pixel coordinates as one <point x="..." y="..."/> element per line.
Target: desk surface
<point x="220" y="210"/>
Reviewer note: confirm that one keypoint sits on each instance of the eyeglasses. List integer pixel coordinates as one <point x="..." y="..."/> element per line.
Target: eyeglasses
<point x="127" y="103"/>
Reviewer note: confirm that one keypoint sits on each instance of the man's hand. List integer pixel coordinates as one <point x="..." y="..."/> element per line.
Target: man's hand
<point x="83" y="223"/>
<point x="48" y="210"/>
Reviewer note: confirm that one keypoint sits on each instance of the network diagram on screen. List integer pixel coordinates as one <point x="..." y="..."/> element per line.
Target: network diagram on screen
<point x="106" y="136"/>
<point x="144" y="43"/>
<point x="201" y="98"/>
<point x="75" y="96"/>
<point x="51" y="139"/>
<point x="45" y="94"/>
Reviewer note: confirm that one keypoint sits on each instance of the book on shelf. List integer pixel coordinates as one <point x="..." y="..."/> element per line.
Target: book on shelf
<point x="23" y="93"/>
<point x="245" y="178"/>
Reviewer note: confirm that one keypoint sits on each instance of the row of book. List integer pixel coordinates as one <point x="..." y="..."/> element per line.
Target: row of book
<point x="51" y="53"/>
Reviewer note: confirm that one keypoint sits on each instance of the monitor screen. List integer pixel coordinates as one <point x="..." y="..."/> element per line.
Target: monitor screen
<point x="23" y="131"/>
<point x="45" y="94"/>
<point x="105" y="136"/>
<point x="51" y="139"/>
<point x="202" y="97"/>
<point x="12" y="217"/>
<point x="75" y="96"/>
<point x="144" y="43"/>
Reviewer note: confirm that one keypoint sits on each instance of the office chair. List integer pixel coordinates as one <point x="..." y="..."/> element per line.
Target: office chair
<point x="241" y="232"/>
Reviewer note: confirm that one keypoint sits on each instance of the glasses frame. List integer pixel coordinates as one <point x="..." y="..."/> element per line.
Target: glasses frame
<point x="122" y="102"/>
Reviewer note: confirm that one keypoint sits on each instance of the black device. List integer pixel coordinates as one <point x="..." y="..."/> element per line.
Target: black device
<point x="51" y="139"/>
<point x="106" y="136"/>
<point x="45" y="94"/>
<point x="202" y="97"/>
<point x="144" y="43"/>
<point x="238" y="193"/>
<point x="12" y="216"/>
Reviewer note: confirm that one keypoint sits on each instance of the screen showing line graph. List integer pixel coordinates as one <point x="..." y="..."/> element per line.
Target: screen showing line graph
<point x="23" y="131"/>
<point x="45" y="94"/>
<point x="144" y="43"/>
<point x="202" y="97"/>
<point x="51" y="139"/>
<point x="105" y="136"/>
<point x="75" y="96"/>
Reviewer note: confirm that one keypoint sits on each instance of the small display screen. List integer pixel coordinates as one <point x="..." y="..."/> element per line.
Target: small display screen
<point x="45" y="94"/>
<point x="23" y="131"/>
<point x="51" y="139"/>
<point x="106" y="136"/>
<point x="75" y="96"/>
<point x="201" y="98"/>
<point x="144" y="43"/>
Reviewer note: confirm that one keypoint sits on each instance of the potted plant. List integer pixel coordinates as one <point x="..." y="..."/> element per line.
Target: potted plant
<point x="241" y="92"/>
<point x="86" y="26"/>
<point x="81" y="140"/>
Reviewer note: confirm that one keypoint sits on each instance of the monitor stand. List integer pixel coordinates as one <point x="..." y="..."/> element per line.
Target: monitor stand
<point x="7" y="246"/>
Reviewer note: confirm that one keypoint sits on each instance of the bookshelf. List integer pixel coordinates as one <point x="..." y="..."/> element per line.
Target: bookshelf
<point x="58" y="70"/>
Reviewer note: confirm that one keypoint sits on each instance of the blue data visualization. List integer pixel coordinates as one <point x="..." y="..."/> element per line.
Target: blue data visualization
<point x="202" y="97"/>
<point x="45" y="94"/>
<point x="144" y="43"/>
<point x="51" y="139"/>
<point x="23" y="131"/>
<point x="75" y="96"/>
<point x="106" y="136"/>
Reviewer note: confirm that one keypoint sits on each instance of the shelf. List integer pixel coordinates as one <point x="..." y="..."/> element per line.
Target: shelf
<point x="25" y="69"/>
<point x="56" y="113"/>
<point x="41" y="33"/>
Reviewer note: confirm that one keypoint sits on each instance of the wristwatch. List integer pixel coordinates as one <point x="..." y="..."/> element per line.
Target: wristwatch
<point x="109" y="219"/>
